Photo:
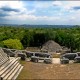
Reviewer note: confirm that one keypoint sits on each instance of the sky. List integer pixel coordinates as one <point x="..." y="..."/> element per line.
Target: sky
<point x="40" y="12"/>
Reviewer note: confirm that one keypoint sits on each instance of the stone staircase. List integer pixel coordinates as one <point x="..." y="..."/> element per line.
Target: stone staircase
<point x="9" y="67"/>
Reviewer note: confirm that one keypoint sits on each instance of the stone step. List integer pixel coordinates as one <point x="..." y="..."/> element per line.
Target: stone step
<point x="3" y="54"/>
<point x="13" y="72"/>
<point x="1" y="50"/>
<point x="2" y="57"/>
<point x="2" y="62"/>
<point x="8" y="66"/>
<point x="9" y="69"/>
<point x="16" y="75"/>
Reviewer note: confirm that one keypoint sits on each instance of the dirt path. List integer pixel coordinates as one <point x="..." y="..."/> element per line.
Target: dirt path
<point x="56" y="60"/>
<point x="49" y="71"/>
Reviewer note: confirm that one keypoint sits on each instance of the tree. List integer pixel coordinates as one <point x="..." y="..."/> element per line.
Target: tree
<point x="13" y="44"/>
<point x="27" y="38"/>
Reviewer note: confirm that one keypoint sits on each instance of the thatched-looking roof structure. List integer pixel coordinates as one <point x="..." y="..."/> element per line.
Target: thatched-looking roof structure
<point x="51" y="46"/>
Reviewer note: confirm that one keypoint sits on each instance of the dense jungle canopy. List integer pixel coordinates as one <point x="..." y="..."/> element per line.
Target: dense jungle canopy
<point x="36" y="37"/>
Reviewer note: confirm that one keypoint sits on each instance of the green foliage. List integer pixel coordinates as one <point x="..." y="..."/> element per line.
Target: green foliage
<point x="69" y="37"/>
<point x="13" y="43"/>
<point x="1" y="44"/>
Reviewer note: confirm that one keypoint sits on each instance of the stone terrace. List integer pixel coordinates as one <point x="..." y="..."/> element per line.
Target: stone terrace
<point x="9" y="66"/>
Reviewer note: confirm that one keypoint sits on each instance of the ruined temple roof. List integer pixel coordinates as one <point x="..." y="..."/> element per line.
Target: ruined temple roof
<point x="51" y="46"/>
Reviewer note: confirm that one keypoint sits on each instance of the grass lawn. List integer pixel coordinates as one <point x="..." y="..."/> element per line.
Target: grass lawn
<point x="49" y="71"/>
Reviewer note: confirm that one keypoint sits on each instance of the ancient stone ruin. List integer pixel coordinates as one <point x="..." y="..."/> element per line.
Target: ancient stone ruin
<point x="51" y="46"/>
<point x="9" y="66"/>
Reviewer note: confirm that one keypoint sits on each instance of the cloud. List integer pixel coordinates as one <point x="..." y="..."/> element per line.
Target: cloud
<point x="57" y="3"/>
<point x="3" y="15"/>
<point x="40" y="12"/>
<point x="42" y="4"/>
<point x="12" y="4"/>
<point x="76" y="8"/>
<point x="69" y="5"/>
<point x="14" y="8"/>
<point x="30" y="17"/>
<point x="8" y="9"/>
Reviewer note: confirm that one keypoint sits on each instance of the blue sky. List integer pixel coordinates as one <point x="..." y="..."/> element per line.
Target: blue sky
<point x="40" y="12"/>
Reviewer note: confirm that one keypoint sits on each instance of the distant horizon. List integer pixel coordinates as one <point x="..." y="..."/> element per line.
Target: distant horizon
<point x="39" y="24"/>
<point x="40" y="12"/>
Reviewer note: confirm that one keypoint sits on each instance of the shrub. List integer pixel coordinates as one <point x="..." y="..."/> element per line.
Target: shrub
<point x="12" y="43"/>
<point x="1" y="44"/>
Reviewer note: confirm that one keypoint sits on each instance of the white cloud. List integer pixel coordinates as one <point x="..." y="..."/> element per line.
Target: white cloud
<point x="57" y="3"/>
<point x="42" y="4"/>
<point x="68" y="5"/>
<point x="26" y="15"/>
<point x="16" y="5"/>
<point x="12" y="4"/>
<point x="30" y="17"/>
<point x="73" y="3"/>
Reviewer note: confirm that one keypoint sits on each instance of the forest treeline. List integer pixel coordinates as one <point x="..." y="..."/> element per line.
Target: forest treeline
<point x="20" y="37"/>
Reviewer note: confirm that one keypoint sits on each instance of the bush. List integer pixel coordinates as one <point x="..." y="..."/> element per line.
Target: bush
<point x="13" y="44"/>
<point x="1" y="44"/>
